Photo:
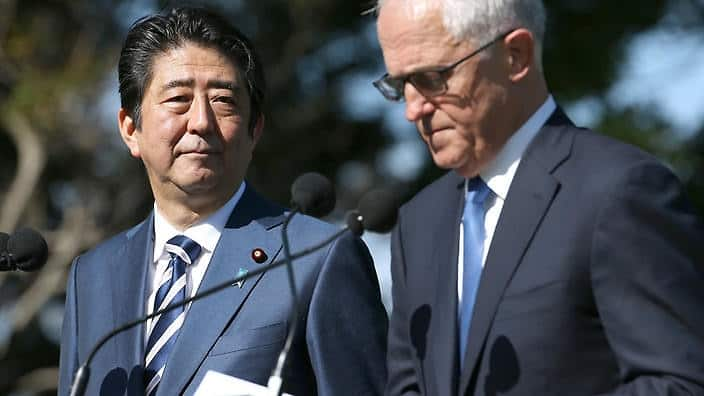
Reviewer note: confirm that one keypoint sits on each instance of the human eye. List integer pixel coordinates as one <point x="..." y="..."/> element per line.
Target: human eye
<point x="429" y="81"/>
<point x="177" y="101"/>
<point x="225" y="103"/>
<point x="226" y="99"/>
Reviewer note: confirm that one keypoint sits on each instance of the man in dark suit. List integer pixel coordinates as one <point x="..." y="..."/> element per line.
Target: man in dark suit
<point x="550" y="260"/>
<point x="192" y="89"/>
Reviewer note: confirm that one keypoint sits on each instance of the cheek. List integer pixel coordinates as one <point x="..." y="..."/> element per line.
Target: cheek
<point x="158" y="145"/>
<point x="235" y="132"/>
<point x="239" y="146"/>
<point x="165" y="126"/>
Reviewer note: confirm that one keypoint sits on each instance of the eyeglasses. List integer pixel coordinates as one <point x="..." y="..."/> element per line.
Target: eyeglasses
<point x="430" y="82"/>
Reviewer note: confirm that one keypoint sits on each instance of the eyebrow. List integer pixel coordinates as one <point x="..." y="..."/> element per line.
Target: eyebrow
<point x="189" y="83"/>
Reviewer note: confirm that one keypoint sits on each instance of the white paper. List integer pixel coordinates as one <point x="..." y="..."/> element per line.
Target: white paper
<point x="219" y="384"/>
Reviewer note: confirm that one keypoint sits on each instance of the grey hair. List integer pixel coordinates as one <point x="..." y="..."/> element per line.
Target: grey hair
<point x="480" y="21"/>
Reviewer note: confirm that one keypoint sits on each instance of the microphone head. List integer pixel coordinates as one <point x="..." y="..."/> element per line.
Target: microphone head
<point x="28" y="248"/>
<point x="313" y="194"/>
<point x="379" y="210"/>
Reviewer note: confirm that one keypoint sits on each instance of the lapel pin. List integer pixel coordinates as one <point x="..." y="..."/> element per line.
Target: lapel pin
<point x="259" y="256"/>
<point x="240" y="283"/>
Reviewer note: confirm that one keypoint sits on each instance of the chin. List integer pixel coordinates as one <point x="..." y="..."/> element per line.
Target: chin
<point x="200" y="182"/>
<point x="448" y="161"/>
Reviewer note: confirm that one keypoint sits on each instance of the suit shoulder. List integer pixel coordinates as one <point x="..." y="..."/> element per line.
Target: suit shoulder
<point x="607" y="152"/>
<point x="108" y="247"/>
<point x="600" y="169"/>
<point x="308" y="227"/>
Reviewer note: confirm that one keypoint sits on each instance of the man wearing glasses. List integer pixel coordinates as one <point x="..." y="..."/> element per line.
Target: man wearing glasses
<point x="549" y="260"/>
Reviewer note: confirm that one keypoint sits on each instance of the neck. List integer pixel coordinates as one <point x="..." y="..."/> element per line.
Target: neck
<point x="190" y="210"/>
<point x="532" y="96"/>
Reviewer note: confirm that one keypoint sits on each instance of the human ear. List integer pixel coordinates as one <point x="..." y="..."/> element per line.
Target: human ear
<point x="520" y="46"/>
<point x="127" y="131"/>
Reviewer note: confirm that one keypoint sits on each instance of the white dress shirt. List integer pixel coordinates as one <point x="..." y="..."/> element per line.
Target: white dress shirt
<point x="498" y="175"/>
<point x="205" y="232"/>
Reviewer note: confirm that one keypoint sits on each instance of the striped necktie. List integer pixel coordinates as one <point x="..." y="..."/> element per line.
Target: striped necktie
<point x="165" y="327"/>
<point x="474" y="235"/>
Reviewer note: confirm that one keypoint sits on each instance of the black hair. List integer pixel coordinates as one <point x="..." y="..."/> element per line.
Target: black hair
<point x="156" y="34"/>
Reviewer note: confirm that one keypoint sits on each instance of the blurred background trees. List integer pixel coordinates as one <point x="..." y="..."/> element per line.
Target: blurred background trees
<point x="65" y="172"/>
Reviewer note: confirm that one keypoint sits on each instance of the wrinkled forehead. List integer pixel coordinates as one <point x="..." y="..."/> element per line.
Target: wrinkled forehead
<point x="185" y="65"/>
<point x="411" y="39"/>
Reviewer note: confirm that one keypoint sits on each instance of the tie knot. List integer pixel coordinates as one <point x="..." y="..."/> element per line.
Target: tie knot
<point x="477" y="190"/>
<point x="184" y="247"/>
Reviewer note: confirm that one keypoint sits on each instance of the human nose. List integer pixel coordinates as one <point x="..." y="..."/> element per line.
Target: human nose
<point x="201" y="117"/>
<point x="417" y="105"/>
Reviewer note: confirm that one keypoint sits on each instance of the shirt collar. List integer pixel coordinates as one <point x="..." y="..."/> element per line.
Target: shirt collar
<point x="205" y="232"/>
<point x="499" y="173"/>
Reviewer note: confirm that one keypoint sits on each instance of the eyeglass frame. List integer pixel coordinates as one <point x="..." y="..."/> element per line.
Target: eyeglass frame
<point x="442" y="71"/>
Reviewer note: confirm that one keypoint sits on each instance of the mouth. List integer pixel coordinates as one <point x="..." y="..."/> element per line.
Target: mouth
<point x="432" y="131"/>
<point x="200" y="153"/>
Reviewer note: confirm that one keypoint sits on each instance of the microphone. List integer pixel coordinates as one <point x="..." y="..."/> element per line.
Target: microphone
<point x="24" y="250"/>
<point x="82" y="374"/>
<point x="378" y="211"/>
<point x="312" y="194"/>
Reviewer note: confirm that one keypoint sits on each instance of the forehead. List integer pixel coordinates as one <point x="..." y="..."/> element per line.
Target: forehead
<point x="192" y="61"/>
<point x="413" y="37"/>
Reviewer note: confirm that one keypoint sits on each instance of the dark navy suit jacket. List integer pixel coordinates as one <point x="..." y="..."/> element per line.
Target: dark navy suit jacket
<point x="340" y="343"/>
<point x="593" y="283"/>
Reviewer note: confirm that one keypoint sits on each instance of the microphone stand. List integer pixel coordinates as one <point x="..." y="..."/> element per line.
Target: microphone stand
<point x="275" y="382"/>
<point x="81" y="378"/>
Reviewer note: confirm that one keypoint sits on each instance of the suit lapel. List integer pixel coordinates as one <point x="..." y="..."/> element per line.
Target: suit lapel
<point x="532" y="191"/>
<point x="129" y="274"/>
<point x="253" y="223"/>
<point x="445" y="250"/>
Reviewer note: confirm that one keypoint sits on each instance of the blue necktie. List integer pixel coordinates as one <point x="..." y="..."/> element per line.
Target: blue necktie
<point x="165" y="328"/>
<point x="473" y="224"/>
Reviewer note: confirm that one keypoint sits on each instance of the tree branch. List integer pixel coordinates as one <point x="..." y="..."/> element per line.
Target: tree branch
<point x="75" y="234"/>
<point x="31" y="159"/>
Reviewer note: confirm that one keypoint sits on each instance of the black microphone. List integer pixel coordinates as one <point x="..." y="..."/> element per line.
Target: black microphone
<point x="312" y="194"/>
<point x="378" y="211"/>
<point x="24" y="250"/>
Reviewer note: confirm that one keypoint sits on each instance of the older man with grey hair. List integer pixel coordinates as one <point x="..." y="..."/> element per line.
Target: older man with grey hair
<point x="549" y="260"/>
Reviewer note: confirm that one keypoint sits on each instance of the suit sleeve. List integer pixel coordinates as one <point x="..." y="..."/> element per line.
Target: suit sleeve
<point x="347" y="324"/>
<point x="401" y="371"/>
<point x="68" y="363"/>
<point x="648" y="282"/>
